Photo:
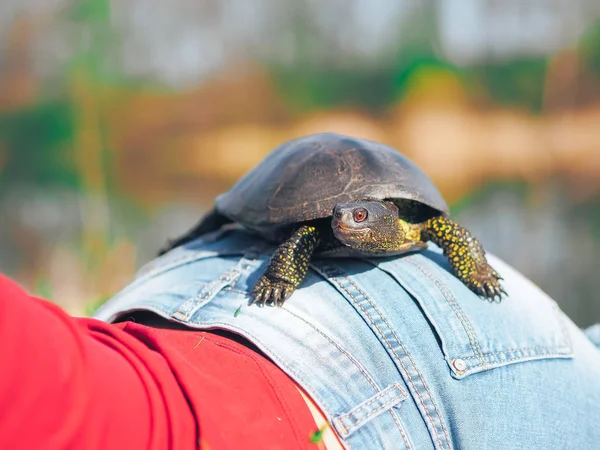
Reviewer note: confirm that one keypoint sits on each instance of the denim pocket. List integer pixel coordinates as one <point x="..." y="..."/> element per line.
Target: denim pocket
<point x="476" y="335"/>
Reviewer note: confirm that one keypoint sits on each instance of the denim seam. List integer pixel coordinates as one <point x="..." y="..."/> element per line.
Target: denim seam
<point x="401" y="362"/>
<point x="341" y="349"/>
<point x="515" y="350"/>
<point x="480" y="355"/>
<point x="366" y="419"/>
<point x="402" y="432"/>
<point x="204" y="293"/>
<point x="521" y="358"/>
<point x="287" y="368"/>
<point x="376" y="399"/>
<point x="280" y="363"/>
<point x="237" y="291"/>
<point x="229" y="278"/>
<point x="380" y="407"/>
<point x="193" y="301"/>
<point x="435" y="431"/>
<point x="352" y="416"/>
<point x="451" y="300"/>
<point x="361" y="369"/>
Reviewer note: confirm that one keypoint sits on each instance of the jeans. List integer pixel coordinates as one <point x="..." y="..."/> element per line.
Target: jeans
<point x="397" y="352"/>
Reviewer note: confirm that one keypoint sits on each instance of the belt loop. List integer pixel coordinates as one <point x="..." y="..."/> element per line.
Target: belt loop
<point x="227" y="279"/>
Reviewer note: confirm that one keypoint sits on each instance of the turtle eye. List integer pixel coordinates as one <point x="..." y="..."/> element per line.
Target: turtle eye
<point x="360" y="214"/>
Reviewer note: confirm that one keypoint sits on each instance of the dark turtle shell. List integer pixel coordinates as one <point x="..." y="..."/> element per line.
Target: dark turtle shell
<point x="304" y="179"/>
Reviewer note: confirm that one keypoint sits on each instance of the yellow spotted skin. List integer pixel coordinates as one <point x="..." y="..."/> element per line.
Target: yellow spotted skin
<point x="465" y="255"/>
<point x="393" y="236"/>
<point x="288" y="267"/>
<point x="394" y="232"/>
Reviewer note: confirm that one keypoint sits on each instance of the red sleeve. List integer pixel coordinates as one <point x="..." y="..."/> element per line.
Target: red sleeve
<point x="84" y="384"/>
<point x="64" y="386"/>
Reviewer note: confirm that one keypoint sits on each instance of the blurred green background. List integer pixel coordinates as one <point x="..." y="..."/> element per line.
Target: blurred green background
<point x="121" y="120"/>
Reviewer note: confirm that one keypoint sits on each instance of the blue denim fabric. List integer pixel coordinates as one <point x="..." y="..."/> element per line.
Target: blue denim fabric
<point x="593" y="334"/>
<point x="397" y="352"/>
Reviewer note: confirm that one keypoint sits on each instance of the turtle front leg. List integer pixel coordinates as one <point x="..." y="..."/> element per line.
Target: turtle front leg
<point x="288" y="267"/>
<point x="466" y="256"/>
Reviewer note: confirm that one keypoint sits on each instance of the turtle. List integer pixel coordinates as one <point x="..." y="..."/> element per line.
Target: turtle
<point x="327" y="192"/>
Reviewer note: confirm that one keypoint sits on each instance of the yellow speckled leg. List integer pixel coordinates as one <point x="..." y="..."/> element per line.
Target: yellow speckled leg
<point x="466" y="256"/>
<point x="287" y="269"/>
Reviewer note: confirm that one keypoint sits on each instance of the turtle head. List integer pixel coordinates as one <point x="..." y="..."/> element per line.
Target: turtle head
<point x="373" y="227"/>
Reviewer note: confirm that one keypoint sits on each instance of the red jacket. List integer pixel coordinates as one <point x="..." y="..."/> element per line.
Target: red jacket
<point x="84" y="384"/>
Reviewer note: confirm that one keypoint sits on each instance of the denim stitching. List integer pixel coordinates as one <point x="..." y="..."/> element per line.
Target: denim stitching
<point x="288" y="368"/>
<point x="343" y="425"/>
<point x="376" y="410"/>
<point x="229" y="278"/>
<point x="355" y="420"/>
<point x="242" y="271"/>
<point x="451" y="300"/>
<point x="205" y="292"/>
<point x="519" y="358"/>
<point x="292" y="371"/>
<point x="411" y="359"/>
<point x="341" y="349"/>
<point x="515" y="350"/>
<point x="332" y="275"/>
<point x="190" y="303"/>
<point x="232" y="272"/>
<point x="400" y="360"/>
<point x="245" y="332"/>
<point x="480" y="355"/>
<point x="237" y="291"/>
<point x="189" y="258"/>
<point x="376" y="399"/>
<point x="361" y="369"/>
<point x="404" y="436"/>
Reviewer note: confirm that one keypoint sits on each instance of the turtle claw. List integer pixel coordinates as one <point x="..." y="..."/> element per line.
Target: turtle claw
<point x="287" y="292"/>
<point x="276" y="293"/>
<point x="485" y="282"/>
<point x="271" y="291"/>
<point x="257" y="298"/>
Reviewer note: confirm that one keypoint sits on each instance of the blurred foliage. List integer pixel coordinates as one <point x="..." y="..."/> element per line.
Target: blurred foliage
<point x="512" y="83"/>
<point x="589" y="48"/>
<point x="49" y="126"/>
<point x="304" y="90"/>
